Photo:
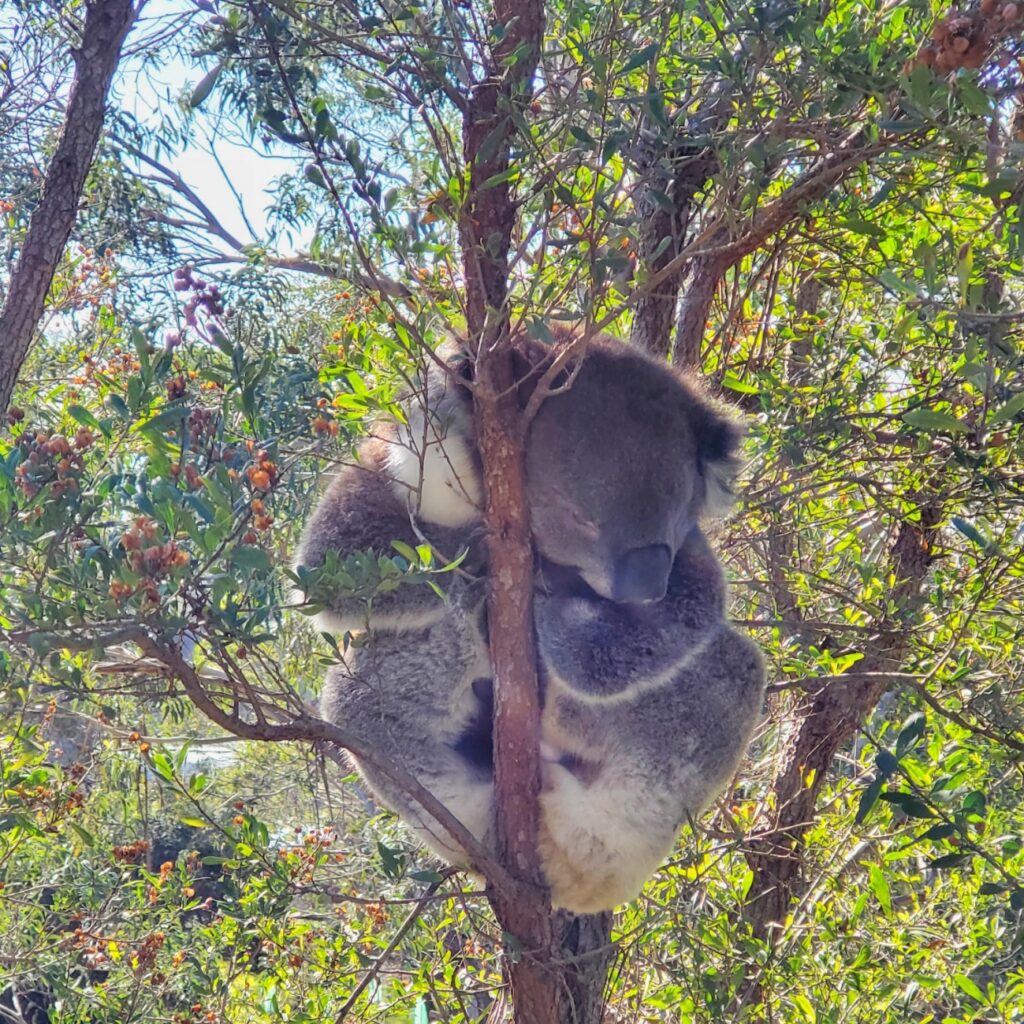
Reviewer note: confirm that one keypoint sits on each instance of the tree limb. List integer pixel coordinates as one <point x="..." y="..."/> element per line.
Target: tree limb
<point x="106" y="25"/>
<point x="300" y="726"/>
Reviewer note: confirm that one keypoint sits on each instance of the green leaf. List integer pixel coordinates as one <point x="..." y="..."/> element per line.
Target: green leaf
<point x="974" y="98"/>
<point x="247" y="557"/>
<point x="862" y="227"/>
<point x="117" y="403"/>
<point x="430" y="877"/>
<point x="169" y="417"/>
<point x="806" y="1007"/>
<point x="580" y="135"/>
<point x="87" y="837"/>
<point x="640" y="58"/>
<point x="86" y="418"/>
<point x="970" y="532"/>
<point x="733" y="383"/>
<point x="886" y="763"/>
<point x="909" y="804"/>
<point x="406" y="552"/>
<point x="910" y="733"/>
<point x="879" y="885"/>
<point x="162" y="765"/>
<point x="950" y="860"/>
<point x="391" y="860"/>
<point x="1009" y="409"/>
<point x="943" y="831"/>
<point x="868" y="799"/>
<point x="512" y="174"/>
<point x="194" y="822"/>
<point x="931" y="419"/>
<point x="205" y="86"/>
<point x="314" y="174"/>
<point x="966" y="985"/>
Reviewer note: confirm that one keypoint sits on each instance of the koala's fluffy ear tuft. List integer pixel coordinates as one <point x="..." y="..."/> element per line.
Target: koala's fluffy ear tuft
<point x="719" y="437"/>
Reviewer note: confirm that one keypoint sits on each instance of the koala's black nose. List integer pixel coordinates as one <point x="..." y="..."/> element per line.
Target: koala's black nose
<point x="642" y="574"/>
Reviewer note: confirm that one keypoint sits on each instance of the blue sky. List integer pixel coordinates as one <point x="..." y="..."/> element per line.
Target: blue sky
<point x="145" y="89"/>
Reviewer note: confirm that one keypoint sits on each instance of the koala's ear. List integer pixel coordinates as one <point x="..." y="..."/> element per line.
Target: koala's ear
<point x="719" y="437"/>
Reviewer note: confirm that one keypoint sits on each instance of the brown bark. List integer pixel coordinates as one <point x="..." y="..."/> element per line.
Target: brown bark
<point x="720" y="246"/>
<point x="559" y="978"/>
<point x="835" y="716"/>
<point x="705" y="274"/>
<point x="486" y="232"/>
<point x="545" y="983"/>
<point x="676" y="171"/>
<point x="106" y="25"/>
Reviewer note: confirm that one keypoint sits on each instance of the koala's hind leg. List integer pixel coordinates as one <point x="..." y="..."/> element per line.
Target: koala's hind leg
<point x="421" y="700"/>
<point x="598" y="841"/>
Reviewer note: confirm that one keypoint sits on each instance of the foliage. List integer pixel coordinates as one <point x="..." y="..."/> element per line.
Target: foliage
<point x="188" y="392"/>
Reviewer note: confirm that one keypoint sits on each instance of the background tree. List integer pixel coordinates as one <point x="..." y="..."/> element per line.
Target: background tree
<point x="818" y="207"/>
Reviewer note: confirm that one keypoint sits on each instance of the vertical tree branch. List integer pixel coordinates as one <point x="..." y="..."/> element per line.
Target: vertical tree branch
<point x="676" y="172"/>
<point x="835" y="716"/>
<point x="705" y="274"/>
<point x="486" y="225"/>
<point x="106" y="25"/>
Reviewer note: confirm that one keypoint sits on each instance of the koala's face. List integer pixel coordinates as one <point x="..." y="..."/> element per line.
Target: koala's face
<point x="620" y="468"/>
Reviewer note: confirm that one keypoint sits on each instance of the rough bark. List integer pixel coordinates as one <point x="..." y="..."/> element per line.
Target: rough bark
<point x="835" y="716"/>
<point x="106" y="25"/>
<point x="673" y="173"/>
<point x="721" y="245"/>
<point x="550" y="983"/>
<point x="705" y="275"/>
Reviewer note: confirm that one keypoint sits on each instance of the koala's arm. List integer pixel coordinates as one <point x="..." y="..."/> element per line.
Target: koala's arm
<point x="602" y="647"/>
<point x="362" y="510"/>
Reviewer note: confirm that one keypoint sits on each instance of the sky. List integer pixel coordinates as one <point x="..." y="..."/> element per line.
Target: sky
<point x="145" y="89"/>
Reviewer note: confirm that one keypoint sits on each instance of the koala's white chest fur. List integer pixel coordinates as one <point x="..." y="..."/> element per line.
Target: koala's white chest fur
<point x="434" y="471"/>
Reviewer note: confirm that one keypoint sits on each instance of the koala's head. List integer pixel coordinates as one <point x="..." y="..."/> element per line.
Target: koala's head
<point x="620" y="468"/>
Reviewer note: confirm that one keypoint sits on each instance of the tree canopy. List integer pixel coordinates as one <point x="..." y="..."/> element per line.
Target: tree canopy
<point x="816" y="208"/>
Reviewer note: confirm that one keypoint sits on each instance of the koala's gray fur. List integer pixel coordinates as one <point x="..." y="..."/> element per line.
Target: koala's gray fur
<point x="649" y="696"/>
<point x="647" y="711"/>
<point x="416" y="683"/>
<point x="412" y="693"/>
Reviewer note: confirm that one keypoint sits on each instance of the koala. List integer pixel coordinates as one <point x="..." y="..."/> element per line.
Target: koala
<point x="648" y="696"/>
<point x="415" y="683"/>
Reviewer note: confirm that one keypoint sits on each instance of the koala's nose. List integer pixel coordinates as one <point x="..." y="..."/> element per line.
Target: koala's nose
<point x="642" y="574"/>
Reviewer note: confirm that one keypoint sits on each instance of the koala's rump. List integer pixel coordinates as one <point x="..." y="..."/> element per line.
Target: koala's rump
<point x="636" y="768"/>
<point x="410" y="703"/>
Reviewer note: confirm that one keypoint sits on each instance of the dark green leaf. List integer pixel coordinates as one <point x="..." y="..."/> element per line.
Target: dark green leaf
<point x="931" y="419"/>
<point x="640" y="58"/>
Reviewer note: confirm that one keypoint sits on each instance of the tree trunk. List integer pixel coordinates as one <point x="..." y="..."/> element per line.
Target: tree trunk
<point x="672" y="174"/>
<point x="835" y="716"/>
<point x="559" y="975"/>
<point x="106" y="25"/>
